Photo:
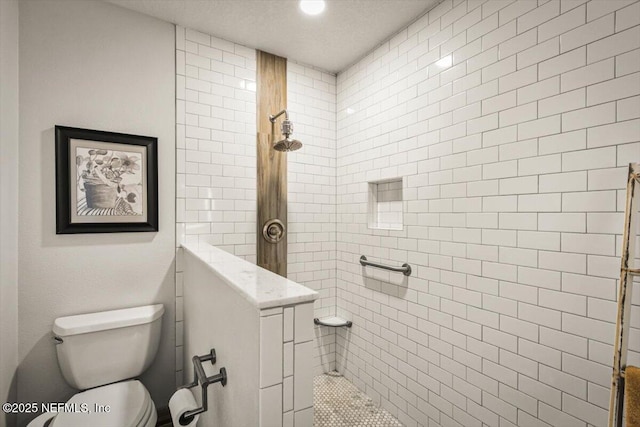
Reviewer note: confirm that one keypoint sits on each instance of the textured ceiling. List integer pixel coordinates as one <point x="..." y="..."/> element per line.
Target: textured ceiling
<point x="342" y="34"/>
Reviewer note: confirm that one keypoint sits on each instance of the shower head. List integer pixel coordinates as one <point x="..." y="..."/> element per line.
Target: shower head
<point x="288" y="143"/>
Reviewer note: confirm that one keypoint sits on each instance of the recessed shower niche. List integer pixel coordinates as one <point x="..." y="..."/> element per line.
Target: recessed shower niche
<point x="385" y="204"/>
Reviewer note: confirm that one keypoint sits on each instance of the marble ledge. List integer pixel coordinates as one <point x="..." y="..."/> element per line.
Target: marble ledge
<point x="260" y="287"/>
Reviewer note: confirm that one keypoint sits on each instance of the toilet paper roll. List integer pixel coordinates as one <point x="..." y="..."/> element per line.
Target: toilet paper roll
<point x="181" y="402"/>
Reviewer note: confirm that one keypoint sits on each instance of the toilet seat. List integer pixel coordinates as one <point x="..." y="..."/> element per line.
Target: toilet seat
<point x="129" y="401"/>
<point x="46" y="419"/>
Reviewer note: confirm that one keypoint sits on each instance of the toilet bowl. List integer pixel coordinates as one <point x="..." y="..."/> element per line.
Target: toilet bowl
<point x="129" y="402"/>
<point x="100" y="353"/>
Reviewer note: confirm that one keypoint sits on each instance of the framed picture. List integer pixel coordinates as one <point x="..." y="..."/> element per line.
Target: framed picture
<point x="105" y="182"/>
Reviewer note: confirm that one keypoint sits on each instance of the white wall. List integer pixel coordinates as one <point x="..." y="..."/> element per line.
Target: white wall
<point x="513" y="150"/>
<point x="8" y="202"/>
<point x="216" y="316"/>
<point x="91" y="65"/>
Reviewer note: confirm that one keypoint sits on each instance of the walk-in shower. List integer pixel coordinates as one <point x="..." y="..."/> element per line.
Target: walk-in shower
<point x="286" y="127"/>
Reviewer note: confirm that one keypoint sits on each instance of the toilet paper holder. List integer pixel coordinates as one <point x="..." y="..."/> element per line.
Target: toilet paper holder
<point x="199" y="377"/>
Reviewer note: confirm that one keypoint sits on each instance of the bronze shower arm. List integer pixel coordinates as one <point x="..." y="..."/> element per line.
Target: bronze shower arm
<point x="273" y="117"/>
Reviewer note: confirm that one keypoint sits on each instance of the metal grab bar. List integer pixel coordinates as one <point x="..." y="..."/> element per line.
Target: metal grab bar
<point x="199" y="377"/>
<point x="405" y="269"/>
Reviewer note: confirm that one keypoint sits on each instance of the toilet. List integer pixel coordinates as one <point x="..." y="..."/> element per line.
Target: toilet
<point x="102" y="354"/>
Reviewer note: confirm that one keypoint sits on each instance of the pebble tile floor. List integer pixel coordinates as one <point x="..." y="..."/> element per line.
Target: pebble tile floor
<point x="338" y="403"/>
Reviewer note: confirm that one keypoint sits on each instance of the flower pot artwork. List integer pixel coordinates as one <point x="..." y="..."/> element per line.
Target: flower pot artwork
<point x="99" y="195"/>
<point x="110" y="181"/>
<point x="106" y="182"/>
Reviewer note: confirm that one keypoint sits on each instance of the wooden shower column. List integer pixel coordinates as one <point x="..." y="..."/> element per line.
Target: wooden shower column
<point x="271" y="95"/>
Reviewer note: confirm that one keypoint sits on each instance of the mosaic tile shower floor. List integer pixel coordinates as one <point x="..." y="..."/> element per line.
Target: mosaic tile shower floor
<point x="338" y="403"/>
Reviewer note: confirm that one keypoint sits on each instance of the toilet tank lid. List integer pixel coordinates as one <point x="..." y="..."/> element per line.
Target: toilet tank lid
<point x="113" y="319"/>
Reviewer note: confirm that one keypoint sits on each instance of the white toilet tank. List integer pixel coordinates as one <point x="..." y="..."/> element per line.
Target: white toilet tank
<point x="101" y="348"/>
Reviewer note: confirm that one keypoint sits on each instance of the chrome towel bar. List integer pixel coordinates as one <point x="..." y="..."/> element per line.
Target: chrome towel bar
<point x="405" y="269"/>
<point x="199" y="377"/>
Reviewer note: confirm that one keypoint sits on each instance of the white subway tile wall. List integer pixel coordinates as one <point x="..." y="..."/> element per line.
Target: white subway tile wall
<point x="216" y="154"/>
<point x="287" y="347"/>
<point x="512" y="123"/>
<point x="311" y="101"/>
<point x="216" y="137"/>
<point x="216" y="167"/>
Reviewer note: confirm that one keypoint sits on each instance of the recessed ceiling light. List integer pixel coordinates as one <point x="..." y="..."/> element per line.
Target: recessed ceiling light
<point x="312" y="7"/>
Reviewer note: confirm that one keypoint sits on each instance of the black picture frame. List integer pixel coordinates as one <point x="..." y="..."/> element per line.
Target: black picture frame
<point x="121" y="217"/>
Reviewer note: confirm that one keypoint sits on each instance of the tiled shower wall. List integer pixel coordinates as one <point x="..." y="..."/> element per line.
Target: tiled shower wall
<point x="511" y="125"/>
<point x="311" y="99"/>
<point x="216" y="167"/>
<point x="216" y="137"/>
<point x="216" y="152"/>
